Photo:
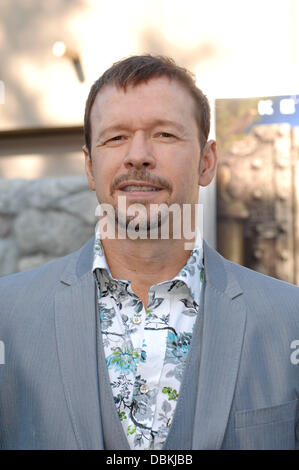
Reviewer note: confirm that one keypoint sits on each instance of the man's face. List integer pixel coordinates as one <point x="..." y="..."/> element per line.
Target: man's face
<point x="144" y="145"/>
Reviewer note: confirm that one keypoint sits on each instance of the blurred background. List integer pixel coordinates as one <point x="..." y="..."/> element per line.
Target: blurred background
<point x="244" y="57"/>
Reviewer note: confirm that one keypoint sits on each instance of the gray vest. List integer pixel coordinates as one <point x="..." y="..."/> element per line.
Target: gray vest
<point x="181" y="430"/>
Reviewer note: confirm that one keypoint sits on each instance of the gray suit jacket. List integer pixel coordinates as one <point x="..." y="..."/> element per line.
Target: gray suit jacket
<point x="247" y="395"/>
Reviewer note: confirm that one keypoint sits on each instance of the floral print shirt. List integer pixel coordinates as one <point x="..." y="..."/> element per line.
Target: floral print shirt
<point x="146" y="348"/>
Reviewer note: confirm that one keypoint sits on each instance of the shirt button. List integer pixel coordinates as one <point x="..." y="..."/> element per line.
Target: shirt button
<point x="136" y="320"/>
<point x="144" y="388"/>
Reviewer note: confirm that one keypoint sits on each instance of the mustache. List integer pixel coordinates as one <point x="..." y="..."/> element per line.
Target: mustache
<point x="142" y="175"/>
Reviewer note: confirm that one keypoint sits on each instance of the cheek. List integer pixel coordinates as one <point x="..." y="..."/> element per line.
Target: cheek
<point x="186" y="182"/>
<point x="103" y="174"/>
<point x="187" y="172"/>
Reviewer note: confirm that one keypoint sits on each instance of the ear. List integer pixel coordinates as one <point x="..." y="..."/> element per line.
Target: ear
<point x="88" y="168"/>
<point x="208" y="163"/>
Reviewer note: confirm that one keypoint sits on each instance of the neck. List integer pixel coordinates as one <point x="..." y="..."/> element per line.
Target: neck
<point x="145" y="262"/>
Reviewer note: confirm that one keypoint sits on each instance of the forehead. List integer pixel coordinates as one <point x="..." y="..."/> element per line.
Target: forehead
<point x="158" y="99"/>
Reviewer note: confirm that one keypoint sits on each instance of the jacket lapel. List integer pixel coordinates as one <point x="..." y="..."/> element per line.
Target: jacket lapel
<point x="75" y="322"/>
<point x="224" y="318"/>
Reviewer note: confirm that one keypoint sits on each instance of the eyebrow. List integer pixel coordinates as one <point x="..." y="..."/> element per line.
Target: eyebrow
<point x="154" y="123"/>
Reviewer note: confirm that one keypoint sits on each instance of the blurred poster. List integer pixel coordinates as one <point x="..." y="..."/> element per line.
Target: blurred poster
<point x="236" y="117"/>
<point x="257" y="181"/>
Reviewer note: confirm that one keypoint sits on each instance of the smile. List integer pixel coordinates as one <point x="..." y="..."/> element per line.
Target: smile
<point x="139" y="187"/>
<point x="132" y="188"/>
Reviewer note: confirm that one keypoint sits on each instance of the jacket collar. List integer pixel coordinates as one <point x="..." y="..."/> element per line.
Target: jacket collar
<point x="80" y="262"/>
<point x="218" y="274"/>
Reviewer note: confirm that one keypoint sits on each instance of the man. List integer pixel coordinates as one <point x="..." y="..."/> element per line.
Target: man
<point x="139" y="342"/>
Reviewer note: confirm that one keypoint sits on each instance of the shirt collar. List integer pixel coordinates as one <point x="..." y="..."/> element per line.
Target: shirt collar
<point x="99" y="258"/>
<point x="190" y="274"/>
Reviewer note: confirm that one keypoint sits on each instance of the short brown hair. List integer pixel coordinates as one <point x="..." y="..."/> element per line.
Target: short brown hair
<point x="139" y="69"/>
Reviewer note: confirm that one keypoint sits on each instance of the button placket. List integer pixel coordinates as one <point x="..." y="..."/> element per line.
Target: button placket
<point x="155" y="340"/>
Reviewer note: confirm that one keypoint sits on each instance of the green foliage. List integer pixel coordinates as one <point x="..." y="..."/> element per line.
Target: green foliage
<point x="122" y="415"/>
<point x="172" y="393"/>
<point x="131" y="429"/>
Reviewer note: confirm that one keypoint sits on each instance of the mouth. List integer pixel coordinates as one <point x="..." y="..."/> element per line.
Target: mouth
<point x="139" y="188"/>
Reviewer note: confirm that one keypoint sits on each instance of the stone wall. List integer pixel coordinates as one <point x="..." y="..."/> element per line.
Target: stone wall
<point x="43" y="219"/>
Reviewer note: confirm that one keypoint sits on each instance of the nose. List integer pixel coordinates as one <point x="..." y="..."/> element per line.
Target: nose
<point x="139" y="155"/>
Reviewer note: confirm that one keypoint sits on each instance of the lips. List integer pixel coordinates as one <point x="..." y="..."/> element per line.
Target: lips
<point x="139" y="186"/>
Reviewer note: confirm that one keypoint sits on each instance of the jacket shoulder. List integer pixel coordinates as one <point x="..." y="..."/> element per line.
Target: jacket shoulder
<point x="247" y="279"/>
<point x="26" y="277"/>
<point x="250" y="279"/>
<point x="34" y="283"/>
<point x="267" y="297"/>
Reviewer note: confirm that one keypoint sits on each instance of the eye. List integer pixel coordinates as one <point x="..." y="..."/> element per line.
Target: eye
<point x="116" y="139"/>
<point x="165" y="135"/>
